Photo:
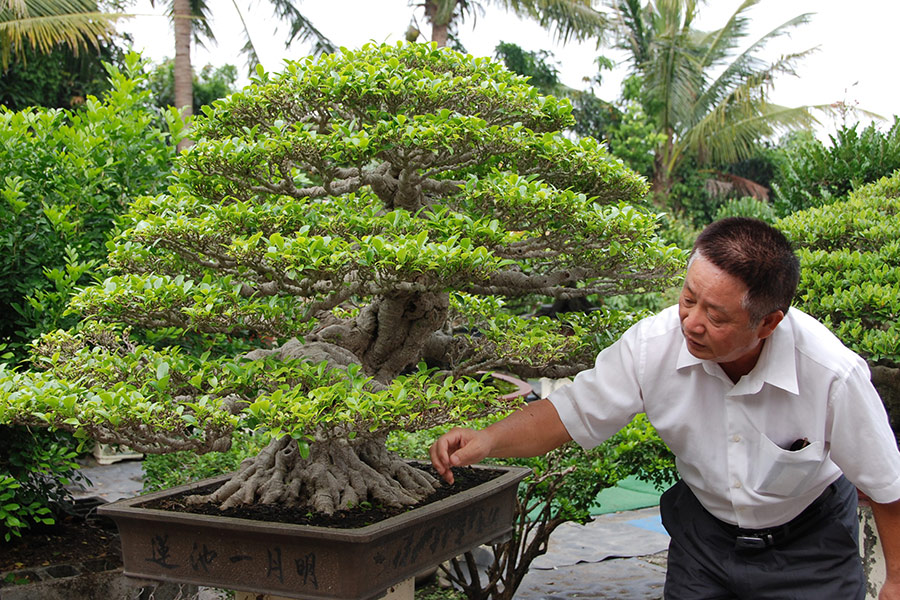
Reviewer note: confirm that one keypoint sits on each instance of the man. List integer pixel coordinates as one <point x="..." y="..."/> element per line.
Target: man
<point x="771" y="419"/>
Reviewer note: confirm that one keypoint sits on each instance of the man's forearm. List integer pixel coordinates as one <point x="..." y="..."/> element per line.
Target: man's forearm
<point x="887" y="519"/>
<point x="533" y="430"/>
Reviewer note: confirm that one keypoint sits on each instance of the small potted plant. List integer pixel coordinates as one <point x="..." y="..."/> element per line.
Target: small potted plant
<point x="347" y="245"/>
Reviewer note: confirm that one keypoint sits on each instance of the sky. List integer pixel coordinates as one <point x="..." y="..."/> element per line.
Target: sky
<point x="853" y="63"/>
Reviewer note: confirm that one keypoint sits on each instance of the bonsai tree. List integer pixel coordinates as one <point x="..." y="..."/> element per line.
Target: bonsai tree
<point x="370" y="219"/>
<point x="850" y="256"/>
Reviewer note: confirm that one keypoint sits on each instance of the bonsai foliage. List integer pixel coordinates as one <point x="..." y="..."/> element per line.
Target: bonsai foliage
<point x="366" y="215"/>
<point x="850" y="255"/>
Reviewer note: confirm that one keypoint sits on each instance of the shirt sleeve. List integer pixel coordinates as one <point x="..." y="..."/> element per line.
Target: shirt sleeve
<point x="863" y="444"/>
<point x="602" y="400"/>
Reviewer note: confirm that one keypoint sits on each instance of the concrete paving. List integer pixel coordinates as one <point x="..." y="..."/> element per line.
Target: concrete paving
<point x="619" y="556"/>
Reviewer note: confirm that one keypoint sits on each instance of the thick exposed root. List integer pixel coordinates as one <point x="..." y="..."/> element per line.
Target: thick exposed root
<point x="336" y="475"/>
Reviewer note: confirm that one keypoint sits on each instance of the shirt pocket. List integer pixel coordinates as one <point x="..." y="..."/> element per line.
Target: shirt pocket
<point x="781" y="472"/>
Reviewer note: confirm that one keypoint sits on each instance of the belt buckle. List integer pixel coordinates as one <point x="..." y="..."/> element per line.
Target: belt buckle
<point x="754" y="542"/>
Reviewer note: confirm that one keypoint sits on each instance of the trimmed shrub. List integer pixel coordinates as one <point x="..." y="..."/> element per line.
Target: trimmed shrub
<point x="850" y="252"/>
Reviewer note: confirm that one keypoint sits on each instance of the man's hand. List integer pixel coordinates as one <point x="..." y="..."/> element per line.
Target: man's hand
<point x="533" y="430"/>
<point x="459" y="448"/>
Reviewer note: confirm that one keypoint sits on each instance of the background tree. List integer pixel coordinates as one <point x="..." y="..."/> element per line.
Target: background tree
<point x="209" y="84"/>
<point x="190" y="20"/>
<point x="60" y="79"/>
<point x="568" y="19"/>
<point x="369" y="211"/>
<point x="44" y="25"/>
<point x="184" y="73"/>
<point x="707" y="98"/>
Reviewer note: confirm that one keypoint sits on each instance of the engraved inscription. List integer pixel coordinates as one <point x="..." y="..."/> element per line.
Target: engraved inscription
<point x="274" y="565"/>
<point x="202" y="557"/>
<point x="306" y="569"/>
<point x="448" y="533"/>
<point x="160" y="552"/>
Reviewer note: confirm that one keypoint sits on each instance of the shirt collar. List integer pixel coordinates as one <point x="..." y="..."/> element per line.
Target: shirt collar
<point x="776" y="366"/>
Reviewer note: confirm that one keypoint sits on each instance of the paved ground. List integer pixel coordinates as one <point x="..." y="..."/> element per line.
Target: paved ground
<point x="619" y="556"/>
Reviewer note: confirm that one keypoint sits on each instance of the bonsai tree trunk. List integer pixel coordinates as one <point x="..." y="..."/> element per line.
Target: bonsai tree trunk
<point x="335" y="475"/>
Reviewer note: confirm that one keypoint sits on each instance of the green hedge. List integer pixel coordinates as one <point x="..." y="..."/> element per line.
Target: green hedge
<point x="850" y="253"/>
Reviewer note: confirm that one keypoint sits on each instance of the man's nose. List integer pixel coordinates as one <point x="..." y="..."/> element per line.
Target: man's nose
<point x="693" y="321"/>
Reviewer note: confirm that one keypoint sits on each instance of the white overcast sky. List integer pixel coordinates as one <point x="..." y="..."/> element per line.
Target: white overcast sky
<point x="856" y="61"/>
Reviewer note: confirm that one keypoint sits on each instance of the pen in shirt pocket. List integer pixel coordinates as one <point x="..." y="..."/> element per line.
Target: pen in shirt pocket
<point x="800" y="444"/>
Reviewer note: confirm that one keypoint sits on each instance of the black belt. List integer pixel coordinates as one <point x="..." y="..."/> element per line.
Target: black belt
<point x="758" y="539"/>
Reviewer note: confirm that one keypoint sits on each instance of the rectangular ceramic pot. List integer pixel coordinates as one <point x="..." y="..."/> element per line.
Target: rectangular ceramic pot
<point x="301" y="561"/>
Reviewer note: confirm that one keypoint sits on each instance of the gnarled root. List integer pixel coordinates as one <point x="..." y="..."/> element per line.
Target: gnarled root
<point x="337" y="474"/>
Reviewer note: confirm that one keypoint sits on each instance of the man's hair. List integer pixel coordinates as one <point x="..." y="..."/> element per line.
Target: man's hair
<point x="758" y="255"/>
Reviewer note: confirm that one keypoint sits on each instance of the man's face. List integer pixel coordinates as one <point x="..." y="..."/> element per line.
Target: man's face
<point x="714" y="322"/>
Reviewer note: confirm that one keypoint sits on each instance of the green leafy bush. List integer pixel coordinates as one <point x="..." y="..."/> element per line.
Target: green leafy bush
<point x="812" y="174"/>
<point x="65" y="177"/>
<point x="850" y="254"/>
<point x="35" y="469"/>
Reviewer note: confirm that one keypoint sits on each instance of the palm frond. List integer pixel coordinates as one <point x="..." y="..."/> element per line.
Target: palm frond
<point x="301" y="28"/>
<point x="567" y="19"/>
<point x="44" y="25"/>
<point x="722" y="41"/>
<point x="200" y="28"/>
<point x="737" y="136"/>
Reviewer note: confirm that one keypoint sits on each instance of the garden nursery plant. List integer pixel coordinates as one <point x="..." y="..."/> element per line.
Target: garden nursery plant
<point x="346" y="247"/>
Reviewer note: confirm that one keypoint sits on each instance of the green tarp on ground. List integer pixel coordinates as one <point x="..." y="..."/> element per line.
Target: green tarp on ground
<point x="629" y="494"/>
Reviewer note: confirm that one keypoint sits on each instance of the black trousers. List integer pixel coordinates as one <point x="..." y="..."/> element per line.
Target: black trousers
<point x="819" y="562"/>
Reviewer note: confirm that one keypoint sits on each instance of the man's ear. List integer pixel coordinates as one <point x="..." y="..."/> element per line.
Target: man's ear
<point x="769" y="323"/>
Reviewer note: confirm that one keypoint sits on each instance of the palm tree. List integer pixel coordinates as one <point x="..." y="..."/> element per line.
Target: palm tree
<point x="568" y="18"/>
<point x="184" y="75"/>
<point x="42" y="25"/>
<point x="710" y="101"/>
<point x="190" y="20"/>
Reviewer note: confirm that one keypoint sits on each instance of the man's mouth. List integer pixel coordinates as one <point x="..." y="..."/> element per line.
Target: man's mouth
<point x="693" y="343"/>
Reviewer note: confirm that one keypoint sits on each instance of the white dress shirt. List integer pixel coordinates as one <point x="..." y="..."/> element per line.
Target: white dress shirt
<point x="730" y="439"/>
